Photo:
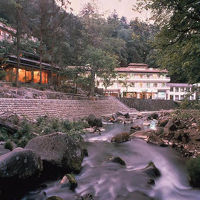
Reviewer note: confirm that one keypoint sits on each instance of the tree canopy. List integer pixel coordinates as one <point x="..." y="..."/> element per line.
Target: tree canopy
<point x="177" y="45"/>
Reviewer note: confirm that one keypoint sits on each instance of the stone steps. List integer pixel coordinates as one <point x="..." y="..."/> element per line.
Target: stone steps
<point x="69" y="109"/>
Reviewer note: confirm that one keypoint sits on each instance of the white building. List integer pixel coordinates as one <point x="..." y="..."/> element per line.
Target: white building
<point x="137" y="81"/>
<point x="178" y="91"/>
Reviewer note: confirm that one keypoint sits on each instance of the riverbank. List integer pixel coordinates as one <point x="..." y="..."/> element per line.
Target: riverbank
<point x="179" y="129"/>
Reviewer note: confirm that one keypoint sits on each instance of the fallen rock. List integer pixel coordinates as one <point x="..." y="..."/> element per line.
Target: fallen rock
<point x="118" y="160"/>
<point x="144" y="134"/>
<point x="154" y="139"/>
<point x="135" y="128"/>
<point x="89" y="130"/>
<point x="121" y="137"/>
<point x="54" y="198"/>
<point x="163" y="122"/>
<point x="153" y="116"/>
<point x="86" y="197"/>
<point x="94" y="121"/>
<point x="70" y="180"/>
<point x="19" y="169"/>
<point x="60" y="152"/>
<point x="151" y="170"/>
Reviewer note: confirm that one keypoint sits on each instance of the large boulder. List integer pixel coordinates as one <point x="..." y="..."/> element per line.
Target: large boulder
<point x="59" y="152"/>
<point x="94" y="121"/>
<point x="121" y="137"/>
<point x="19" y="169"/>
<point x="151" y="170"/>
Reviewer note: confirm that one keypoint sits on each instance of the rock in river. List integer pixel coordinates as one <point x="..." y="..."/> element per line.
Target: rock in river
<point x="59" y="152"/>
<point x="121" y="137"/>
<point x="19" y="169"/>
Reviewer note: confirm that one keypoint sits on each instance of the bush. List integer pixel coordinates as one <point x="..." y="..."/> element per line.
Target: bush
<point x="8" y="145"/>
<point x="67" y="125"/>
<point x="193" y="167"/>
<point x="25" y="128"/>
<point x="2" y="75"/>
<point x="22" y="142"/>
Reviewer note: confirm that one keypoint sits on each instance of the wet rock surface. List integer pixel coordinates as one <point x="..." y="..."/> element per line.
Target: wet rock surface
<point x="121" y="137"/>
<point x="19" y="170"/>
<point x="58" y="151"/>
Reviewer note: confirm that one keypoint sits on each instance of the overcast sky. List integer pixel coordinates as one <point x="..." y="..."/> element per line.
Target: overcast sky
<point x="123" y="8"/>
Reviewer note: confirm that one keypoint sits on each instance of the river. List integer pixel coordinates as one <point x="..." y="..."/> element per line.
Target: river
<point x="111" y="181"/>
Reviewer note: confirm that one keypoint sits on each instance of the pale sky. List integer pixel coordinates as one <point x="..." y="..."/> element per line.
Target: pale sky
<point x="123" y="8"/>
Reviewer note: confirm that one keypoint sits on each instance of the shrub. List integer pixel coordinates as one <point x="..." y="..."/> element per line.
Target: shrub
<point x="2" y="75"/>
<point x="25" y="128"/>
<point x="22" y="142"/>
<point x="67" y="125"/>
<point x="193" y="167"/>
<point x="8" y="145"/>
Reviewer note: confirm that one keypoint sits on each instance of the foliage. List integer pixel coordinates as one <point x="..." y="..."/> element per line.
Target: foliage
<point x="2" y="75"/>
<point x="101" y="64"/>
<point x="177" y="45"/>
<point x="8" y="145"/>
<point x="193" y="167"/>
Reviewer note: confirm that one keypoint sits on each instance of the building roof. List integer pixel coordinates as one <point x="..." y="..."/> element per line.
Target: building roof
<point x="179" y="85"/>
<point x="12" y="59"/>
<point x="139" y="68"/>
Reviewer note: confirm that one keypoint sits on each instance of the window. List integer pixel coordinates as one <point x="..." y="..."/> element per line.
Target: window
<point x="176" y="97"/>
<point x="182" y="89"/>
<point x="141" y="85"/>
<point x="171" y="97"/>
<point x="163" y="84"/>
<point x="155" y="85"/>
<point x="171" y="89"/>
<point x="187" y="89"/>
<point x="176" y="89"/>
<point x="182" y="97"/>
<point x="141" y="76"/>
<point x="148" y="85"/>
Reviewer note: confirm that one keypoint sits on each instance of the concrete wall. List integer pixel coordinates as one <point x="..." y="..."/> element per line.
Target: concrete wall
<point x="149" y="104"/>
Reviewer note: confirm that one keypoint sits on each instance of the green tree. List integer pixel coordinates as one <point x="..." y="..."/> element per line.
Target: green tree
<point x="101" y="64"/>
<point x="177" y="45"/>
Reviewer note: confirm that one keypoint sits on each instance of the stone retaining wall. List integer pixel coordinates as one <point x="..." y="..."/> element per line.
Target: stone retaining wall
<point x="149" y="104"/>
<point x="68" y="109"/>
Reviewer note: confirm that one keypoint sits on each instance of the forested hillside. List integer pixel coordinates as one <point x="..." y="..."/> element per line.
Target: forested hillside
<point x="65" y="39"/>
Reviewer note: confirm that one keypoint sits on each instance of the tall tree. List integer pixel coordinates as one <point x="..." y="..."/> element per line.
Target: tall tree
<point x="101" y="64"/>
<point x="17" y="17"/>
<point x="177" y="45"/>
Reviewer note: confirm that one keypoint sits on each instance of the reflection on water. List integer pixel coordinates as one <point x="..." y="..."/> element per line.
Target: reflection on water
<point x="111" y="181"/>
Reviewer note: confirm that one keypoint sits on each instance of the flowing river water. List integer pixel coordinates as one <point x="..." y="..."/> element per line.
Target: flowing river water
<point x="106" y="180"/>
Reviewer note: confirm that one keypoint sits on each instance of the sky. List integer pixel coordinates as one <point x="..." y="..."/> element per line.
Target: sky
<point x="123" y="8"/>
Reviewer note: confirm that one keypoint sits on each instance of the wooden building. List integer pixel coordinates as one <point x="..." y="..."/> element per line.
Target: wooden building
<point x="29" y="70"/>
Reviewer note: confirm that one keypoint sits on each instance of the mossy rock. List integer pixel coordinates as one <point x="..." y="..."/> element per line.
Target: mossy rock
<point x="54" y="198"/>
<point x="118" y="160"/>
<point x="151" y="170"/>
<point x="72" y="181"/>
<point x="121" y="137"/>
<point x="193" y="167"/>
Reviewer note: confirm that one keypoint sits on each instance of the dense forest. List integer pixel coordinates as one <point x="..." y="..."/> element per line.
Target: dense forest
<point x="64" y="39"/>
